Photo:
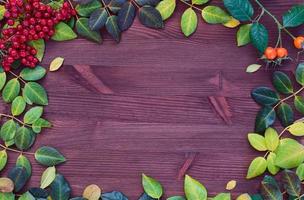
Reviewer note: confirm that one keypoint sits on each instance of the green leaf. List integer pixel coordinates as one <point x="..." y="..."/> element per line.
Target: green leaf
<point x="33" y="115"/>
<point x="48" y="177"/>
<point x="285" y="114"/>
<point x="166" y="8"/>
<point x="24" y="138"/>
<point x="176" y="198"/>
<point x="291" y="183"/>
<point x="259" y="37"/>
<point x="272" y="139"/>
<point x="189" y="22"/>
<point x="49" y="156"/>
<point x="112" y="27"/>
<point x="63" y="32"/>
<point x="2" y="80"/>
<point x="3" y="159"/>
<point x="7" y="196"/>
<point x="126" y="16"/>
<point x="2" y="11"/>
<point x="83" y="29"/>
<point x="150" y="17"/>
<point x="265" y="118"/>
<point x="152" y="187"/>
<point x="282" y="83"/>
<point x="33" y="74"/>
<point x="253" y="68"/>
<point x="300" y="171"/>
<point x="8" y="130"/>
<point x="85" y="10"/>
<point x="215" y="15"/>
<point x="18" y="106"/>
<point x="240" y="9"/>
<point x="265" y="96"/>
<point x="199" y="2"/>
<point x="290" y="154"/>
<point x="115" y="5"/>
<point x="19" y="176"/>
<point x="270" y="192"/>
<point x="257" y="167"/>
<point x="194" y="190"/>
<point x="42" y="123"/>
<point x="222" y="196"/>
<point x="299" y="103"/>
<point x="300" y="73"/>
<point x="26" y="196"/>
<point x="39" y="45"/>
<point x="257" y="141"/>
<point x="115" y="195"/>
<point x="60" y="188"/>
<point x="23" y="161"/>
<point x="244" y="196"/>
<point x="35" y="93"/>
<point x="272" y="168"/>
<point x="98" y="19"/>
<point x="297" y="128"/>
<point x="11" y="90"/>
<point x="294" y="17"/>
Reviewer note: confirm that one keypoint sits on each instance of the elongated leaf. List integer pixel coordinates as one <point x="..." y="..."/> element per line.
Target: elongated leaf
<point x="152" y="187"/>
<point x="35" y="93"/>
<point x="60" y="188"/>
<point x="194" y="190"/>
<point x="253" y="68"/>
<point x="85" y="10"/>
<point x="243" y="35"/>
<point x="63" y="32"/>
<point x="231" y="185"/>
<point x="39" y="193"/>
<point x="257" y="167"/>
<point x="98" y="19"/>
<point x="83" y="29"/>
<point x="166" y="8"/>
<point x="114" y="195"/>
<point x="299" y="103"/>
<point x="265" y="118"/>
<point x="126" y="16"/>
<point x="297" y="128"/>
<point x="300" y="73"/>
<point x="19" y="176"/>
<point x="48" y="176"/>
<point x="2" y="80"/>
<point x="23" y="161"/>
<point x="270" y="192"/>
<point x="290" y="154"/>
<point x="18" y="106"/>
<point x="150" y="17"/>
<point x="112" y="27"/>
<point x="265" y="96"/>
<point x="3" y="159"/>
<point x="294" y="17"/>
<point x="115" y="5"/>
<point x="33" y="115"/>
<point x="56" y="64"/>
<point x="240" y="9"/>
<point x="39" y="45"/>
<point x="147" y="2"/>
<point x="271" y="139"/>
<point x="33" y="74"/>
<point x="24" y="138"/>
<point x="189" y="22"/>
<point x="11" y="90"/>
<point x="215" y="15"/>
<point x="259" y="37"/>
<point x="285" y="114"/>
<point x="300" y="171"/>
<point x="49" y="156"/>
<point x="291" y="183"/>
<point x="8" y="130"/>
<point x="282" y="83"/>
<point x="257" y="141"/>
<point x="272" y="168"/>
<point x="232" y="23"/>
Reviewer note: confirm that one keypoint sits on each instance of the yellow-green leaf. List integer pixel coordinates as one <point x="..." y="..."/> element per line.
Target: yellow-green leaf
<point x="297" y="128"/>
<point x="232" y="23"/>
<point x="257" y="141"/>
<point x="272" y="139"/>
<point x="166" y="8"/>
<point x="56" y="64"/>
<point x="189" y="22"/>
<point x="272" y="168"/>
<point x="152" y="187"/>
<point x="257" y="167"/>
<point x="194" y="190"/>
<point x="48" y="176"/>
<point x="215" y="15"/>
<point x="244" y="197"/>
<point x="231" y="185"/>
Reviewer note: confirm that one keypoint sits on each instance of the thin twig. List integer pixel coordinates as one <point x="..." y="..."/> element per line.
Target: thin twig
<point x="15" y="150"/>
<point x="16" y="119"/>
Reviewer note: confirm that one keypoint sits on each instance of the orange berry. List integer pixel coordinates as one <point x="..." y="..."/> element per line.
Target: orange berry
<point x="299" y="42"/>
<point x="270" y="53"/>
<point x="282" y="52"/>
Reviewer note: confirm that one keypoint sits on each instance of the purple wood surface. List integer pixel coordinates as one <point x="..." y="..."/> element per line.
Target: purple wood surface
<point x="145" y="106"/>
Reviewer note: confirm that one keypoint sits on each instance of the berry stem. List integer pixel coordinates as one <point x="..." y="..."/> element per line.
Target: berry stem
<point x="18" y="77"/>
<point x="290" y="96"/>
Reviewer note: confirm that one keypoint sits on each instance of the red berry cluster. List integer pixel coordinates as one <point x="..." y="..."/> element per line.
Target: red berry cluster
<point x="28" y="20"/>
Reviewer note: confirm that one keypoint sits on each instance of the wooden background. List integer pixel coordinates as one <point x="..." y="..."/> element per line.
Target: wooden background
<point x="147" y="105"/>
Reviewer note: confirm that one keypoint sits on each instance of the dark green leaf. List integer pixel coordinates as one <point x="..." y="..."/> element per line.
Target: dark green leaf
<point x="112" y="27"/>
<point x="7" y="196"/>
<point x="147" y="2"/>
<point x="33" y="115"/>
<point x="85" y="10"/>
<point x="300" y="73"/>
<point x="49" y="156"/>
<point x="60" y="188"/>
<point x="285" y="114"/>
<point x="291" y="182"/>
<point x="23" y="161"/>
<point x="126" y="16"/>
<point x="144" y="196"/>
<point x="83" y="29"/>
<point x="98" y="19"/>
<point x="270" y="192"/>
<point x="11" y="90"/>
<point x="299" y="103"/>
<point x="294" y="17"/>
<point x="63" y="32"/>
<point x="115" y="5"/>
<point x="35" y="93"/>
<point x="39" y="192"/>
<point x="24" y="138"/>
<point x="265" y="118"/>
<point x="33" y="74"/>
<point x="39" y="45"/>
<point x="259" y="37"/>
<point x="271" y="180"/>
<point x="114" y="195"/>
<point x="239" y="9"/>
<point x="8" y="130"/>
<point x="18" y="106"/>
<point x="265" y="96"/>
<point x="256" y="197"/>
<point x="82" y="1"/>
<point x="19" y="176"/>
<point x="282" y="83"/>
<point x="150" y="17"/>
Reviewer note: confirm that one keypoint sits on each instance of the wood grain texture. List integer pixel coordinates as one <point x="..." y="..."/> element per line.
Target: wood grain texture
<point x="143" y="106"/>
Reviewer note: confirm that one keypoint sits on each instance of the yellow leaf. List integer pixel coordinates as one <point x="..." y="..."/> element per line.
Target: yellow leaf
<point x="56" y="64"/>
<point x="231" y="185"/>
<point x="6" y="185"/>
<point x="92" y="192"/>
<point x="244" y="196"/>
<point x="297" y="128"/>
<point x="232" y="23"/>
